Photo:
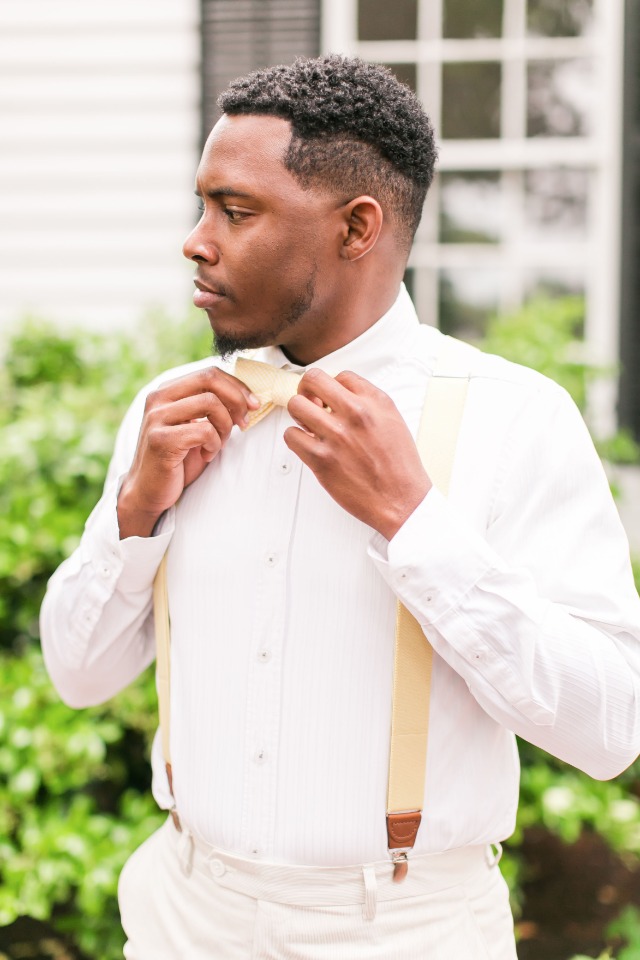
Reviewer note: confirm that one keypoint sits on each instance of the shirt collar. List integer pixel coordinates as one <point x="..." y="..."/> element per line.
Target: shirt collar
<point x="388" y="338"/>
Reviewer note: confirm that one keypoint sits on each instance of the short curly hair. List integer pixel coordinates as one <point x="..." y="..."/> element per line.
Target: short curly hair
<point x="355" y="129"/>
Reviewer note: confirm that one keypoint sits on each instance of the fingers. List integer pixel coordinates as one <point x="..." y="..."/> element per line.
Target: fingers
<point x="202" y="406"/>
<point x="230" y="392"/>
<point x="312" y="417"/>
<point x="325" y="404"/>
<point x="303" y="445"/>
<point x="170" y="444"/>
<point x="343" y="392"/>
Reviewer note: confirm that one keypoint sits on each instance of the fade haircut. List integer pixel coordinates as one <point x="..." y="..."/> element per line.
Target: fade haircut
<point x="355" y="130"/>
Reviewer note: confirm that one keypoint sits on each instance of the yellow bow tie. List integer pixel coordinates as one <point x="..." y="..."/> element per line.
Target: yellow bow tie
<point x="272" y="386"/>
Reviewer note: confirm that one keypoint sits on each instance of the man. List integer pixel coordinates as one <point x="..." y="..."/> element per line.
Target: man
<point x="289" y="544"/>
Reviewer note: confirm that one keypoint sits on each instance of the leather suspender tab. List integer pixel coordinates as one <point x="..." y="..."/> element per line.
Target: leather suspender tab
<point x="402" y="829"/>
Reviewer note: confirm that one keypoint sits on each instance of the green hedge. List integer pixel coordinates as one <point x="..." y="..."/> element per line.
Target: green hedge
<point x="74" y="785"/>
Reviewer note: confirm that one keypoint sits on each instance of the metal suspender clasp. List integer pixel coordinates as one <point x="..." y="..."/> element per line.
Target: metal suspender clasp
<point x="402" y="830"/>
<point x="400" y="865"/>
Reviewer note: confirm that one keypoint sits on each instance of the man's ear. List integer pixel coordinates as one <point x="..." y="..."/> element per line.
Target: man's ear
<point x="362" y="223"/>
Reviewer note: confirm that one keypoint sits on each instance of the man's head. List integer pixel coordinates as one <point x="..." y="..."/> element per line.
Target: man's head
<point x="312" y="184"/>
<point x="355" y="130"/>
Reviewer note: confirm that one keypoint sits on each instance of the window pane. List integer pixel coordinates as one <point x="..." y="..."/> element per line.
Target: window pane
<point x="468" y="298"/>
<point x="559" y="18"/>
<point x="406" y="73"/>
<point x="556" y="203"/>
<point x="408" y="280"/>
<point x="554" y="284"/>
<point x="560" y="98"/>
<point x="463" y="18"/>
<point x="381" y="20"/>
<point x="471" y="100"/>
<point x="470" y="208"/>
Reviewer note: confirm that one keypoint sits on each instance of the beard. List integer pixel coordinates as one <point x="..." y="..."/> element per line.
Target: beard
<point x="225" y="345"/>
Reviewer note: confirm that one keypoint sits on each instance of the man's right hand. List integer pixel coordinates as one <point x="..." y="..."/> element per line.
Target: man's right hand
<point x="186" y="423"/>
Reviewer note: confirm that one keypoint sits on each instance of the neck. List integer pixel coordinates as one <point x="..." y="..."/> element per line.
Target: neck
<point x="337" y="326"/>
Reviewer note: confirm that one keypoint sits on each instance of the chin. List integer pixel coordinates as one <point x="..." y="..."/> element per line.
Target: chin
<point x="228" y="342"/>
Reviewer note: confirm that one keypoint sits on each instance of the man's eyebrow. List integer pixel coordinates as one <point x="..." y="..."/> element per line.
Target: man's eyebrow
<point x="222" y="192"/>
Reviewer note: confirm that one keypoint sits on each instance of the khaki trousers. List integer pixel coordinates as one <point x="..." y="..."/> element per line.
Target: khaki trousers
<point x="182" y="900"/>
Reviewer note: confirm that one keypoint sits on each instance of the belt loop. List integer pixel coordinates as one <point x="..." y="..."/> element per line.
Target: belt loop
<point x="370" y="893"/>
<point x="186" y="851"/>
<point x="494" y="854"/>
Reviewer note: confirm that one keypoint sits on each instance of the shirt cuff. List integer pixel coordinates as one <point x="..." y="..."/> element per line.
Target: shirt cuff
<point x="132" y="563"/>
<point x="433" y="560"/>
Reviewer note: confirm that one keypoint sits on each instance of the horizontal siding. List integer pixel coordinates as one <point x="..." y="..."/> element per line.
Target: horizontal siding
<point x="95" y="50"/>
<point x="84" y="166"/>
<point x="150" y="128"/>
<point x="99" y="131"/>
<point x="123" y="90"/>
<point x="24" y="16"/>
<point x="113" y="246"/>
<point x="147" y="284"/>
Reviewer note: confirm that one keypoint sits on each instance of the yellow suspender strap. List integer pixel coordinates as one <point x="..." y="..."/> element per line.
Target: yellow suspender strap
<point x="436" y="442"/>
<point x="163" y="654"/>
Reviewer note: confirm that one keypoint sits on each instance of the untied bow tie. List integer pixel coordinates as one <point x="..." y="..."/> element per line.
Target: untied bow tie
<point x="272" y="386"/>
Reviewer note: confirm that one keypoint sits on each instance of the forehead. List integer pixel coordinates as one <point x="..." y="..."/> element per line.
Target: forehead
<point x="248" y="150"/>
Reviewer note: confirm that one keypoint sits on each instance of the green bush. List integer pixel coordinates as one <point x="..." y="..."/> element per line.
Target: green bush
<point x="74" y="785"/>
<point x="545" y="334"/>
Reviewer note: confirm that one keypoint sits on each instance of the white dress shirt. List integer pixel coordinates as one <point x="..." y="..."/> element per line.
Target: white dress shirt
<point x="283" y="607"/>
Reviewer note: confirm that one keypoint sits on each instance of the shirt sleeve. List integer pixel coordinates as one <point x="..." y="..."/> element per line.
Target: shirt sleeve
<point x="539" y="614"/>
<point x="96" y="622"/>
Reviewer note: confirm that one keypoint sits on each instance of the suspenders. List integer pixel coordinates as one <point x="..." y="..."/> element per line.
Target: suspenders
<point x="436" y="441"/>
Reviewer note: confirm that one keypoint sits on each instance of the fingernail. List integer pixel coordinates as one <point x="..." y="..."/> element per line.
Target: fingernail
<point x="254" y="400"/>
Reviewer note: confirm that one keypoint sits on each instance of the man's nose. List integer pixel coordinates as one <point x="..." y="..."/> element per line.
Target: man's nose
<point x="200" y="247"/>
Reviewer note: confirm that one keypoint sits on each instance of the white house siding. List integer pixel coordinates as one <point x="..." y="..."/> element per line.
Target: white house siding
<point x="99" y="137"/>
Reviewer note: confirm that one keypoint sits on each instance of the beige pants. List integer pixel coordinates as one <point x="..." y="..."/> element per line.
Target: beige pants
<point x="181" y="900"/>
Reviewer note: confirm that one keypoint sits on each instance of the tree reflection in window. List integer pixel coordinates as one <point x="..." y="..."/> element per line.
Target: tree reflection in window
<point x="388" y="21"/>
<point x="406" y="73"/>
<point x="555" y="284"/>
<point x="468" y="298"/>
<point x="470" y="207"/>
<point x="556" y="203"/>
<point x="471" y="101"/>
<point x="559" y="18"/>
<point x="464" y="19"/>
<point x="560" y="98"/>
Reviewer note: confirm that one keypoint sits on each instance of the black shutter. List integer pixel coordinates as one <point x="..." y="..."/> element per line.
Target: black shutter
<point x="629" y="400"/>
<point x="242" y="35"/>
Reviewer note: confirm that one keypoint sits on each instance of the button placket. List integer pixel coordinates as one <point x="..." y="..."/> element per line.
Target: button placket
<point x="264" y="685"/>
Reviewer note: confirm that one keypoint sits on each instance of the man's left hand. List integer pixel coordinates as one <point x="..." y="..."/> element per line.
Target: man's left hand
<point x="353" y="438"/>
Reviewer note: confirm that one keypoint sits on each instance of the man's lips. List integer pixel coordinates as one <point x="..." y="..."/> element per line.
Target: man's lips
<point x="206" y="297"/>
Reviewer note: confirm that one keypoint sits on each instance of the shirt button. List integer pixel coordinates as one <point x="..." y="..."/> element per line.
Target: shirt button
<point x="272" y="559"/>
<point x="264" y="656"/>
<point x="105" y="571"/>
<point x="260" y="756"/>
<point x="217" y="868"/>
<point x="285" y="467"/>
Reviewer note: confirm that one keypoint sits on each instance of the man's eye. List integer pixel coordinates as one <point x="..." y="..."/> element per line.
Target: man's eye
<point x="234" y="216"/>
<point x="201" y="206"/>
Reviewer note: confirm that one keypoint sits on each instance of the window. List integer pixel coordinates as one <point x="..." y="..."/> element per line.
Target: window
<point x="525" y="96"/>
